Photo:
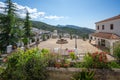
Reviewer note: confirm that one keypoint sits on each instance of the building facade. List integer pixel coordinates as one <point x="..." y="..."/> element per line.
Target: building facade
<point x="107" y="32"/>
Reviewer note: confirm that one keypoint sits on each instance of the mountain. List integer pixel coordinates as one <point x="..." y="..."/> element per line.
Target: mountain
<point x="71" y="29"/>
<point x="44" y="26"/>
<point x="70" y="26"/>
<point x="77" y="27"/>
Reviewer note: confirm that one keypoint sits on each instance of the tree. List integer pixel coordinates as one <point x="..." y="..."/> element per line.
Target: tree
<point x="27" y="29"/>
<point x="8" y="35"/>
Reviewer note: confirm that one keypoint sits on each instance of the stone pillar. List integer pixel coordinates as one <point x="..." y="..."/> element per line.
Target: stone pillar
<point x="76" y="51"/>
<point x="96" y="41"/>
<point x="22" y="48"/>
<point x="22" y="44"/>
<point x="35" y="38"/>
<point x="111" y="47"/>
<point x="30" y="41"/>
<point x="90" y="37"/>
<point x="9" y="49"/>
<point x="18" y="44"/>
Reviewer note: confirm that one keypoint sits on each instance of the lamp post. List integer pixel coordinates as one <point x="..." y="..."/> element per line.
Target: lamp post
<point x="76" y="45"/>
<point x="75" y="42"/>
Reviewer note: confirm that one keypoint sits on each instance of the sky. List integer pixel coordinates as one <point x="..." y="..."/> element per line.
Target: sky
<point x="83" y="13"/>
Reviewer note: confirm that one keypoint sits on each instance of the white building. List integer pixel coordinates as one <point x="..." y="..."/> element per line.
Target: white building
<point x="55" y="34"/>
<point x="107" y="32"/>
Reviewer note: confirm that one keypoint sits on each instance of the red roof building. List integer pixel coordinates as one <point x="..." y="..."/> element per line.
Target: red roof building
<point x="107" y="32"/>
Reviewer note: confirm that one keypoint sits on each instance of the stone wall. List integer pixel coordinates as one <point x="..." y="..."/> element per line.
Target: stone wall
<point x="66" y="73"/>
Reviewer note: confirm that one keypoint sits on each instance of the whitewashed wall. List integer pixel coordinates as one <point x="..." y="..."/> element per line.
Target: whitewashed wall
<point x="116" y="24"/>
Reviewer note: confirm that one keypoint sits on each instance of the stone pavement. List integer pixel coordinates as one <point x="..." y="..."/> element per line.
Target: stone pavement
<point x="82" y="46"/>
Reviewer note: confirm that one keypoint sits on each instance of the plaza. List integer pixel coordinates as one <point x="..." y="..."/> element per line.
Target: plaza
<point x="82" y="46"/>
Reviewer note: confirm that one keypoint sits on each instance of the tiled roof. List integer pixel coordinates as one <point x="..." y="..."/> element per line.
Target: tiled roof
<point x="109" y="19"/>
<point x="106" y="35"/>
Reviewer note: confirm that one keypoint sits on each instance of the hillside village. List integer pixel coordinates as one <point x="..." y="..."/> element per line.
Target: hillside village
<point x="34" y="50"/>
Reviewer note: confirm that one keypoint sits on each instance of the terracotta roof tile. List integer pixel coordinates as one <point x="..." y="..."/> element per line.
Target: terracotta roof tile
<point x="109" y="19"/>
<point x="106" y="35"/>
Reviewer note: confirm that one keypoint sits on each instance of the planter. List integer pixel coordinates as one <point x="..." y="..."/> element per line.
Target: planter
<point x="14" y="47"/>
<point x="66" y="65"/>
<point x="5" y="60"/>
<point x="58" y="65"/>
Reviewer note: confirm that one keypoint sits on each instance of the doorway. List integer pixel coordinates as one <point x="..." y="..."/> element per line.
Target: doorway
<point x="102" y="42"/>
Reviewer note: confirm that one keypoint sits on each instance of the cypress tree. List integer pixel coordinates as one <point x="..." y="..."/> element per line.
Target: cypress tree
<point x="27" y="29"/>
<point x="8" y="35"/>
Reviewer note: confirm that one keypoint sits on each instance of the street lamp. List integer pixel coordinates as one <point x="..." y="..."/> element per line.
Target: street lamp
<point x="75" y="42"/>
<point x="76" y="45"/>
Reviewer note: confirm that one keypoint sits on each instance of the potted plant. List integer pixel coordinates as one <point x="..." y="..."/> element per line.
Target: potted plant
<point x="58" y="65"/>
<point x="66" y="64"/>
<point x="14" y="47"/>
<point x="72" y="55"/>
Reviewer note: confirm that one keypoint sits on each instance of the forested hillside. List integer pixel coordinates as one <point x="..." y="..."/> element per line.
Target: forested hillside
<point x="71" y="29"/>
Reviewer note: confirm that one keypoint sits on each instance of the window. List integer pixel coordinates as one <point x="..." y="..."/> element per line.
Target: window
<point x="111" y="26"/>
<point x="97" y="27"/>
<point x="102" y="27"/>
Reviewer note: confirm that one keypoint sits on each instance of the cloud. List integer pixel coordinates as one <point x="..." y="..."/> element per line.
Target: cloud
<point x="34" y="13"/>
<point x="2" y="5"/>
<point x="37" y="14"/>
<point x="54" y="17"/>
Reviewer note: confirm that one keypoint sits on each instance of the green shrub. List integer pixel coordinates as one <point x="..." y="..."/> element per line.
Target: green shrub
<point x="88" y="61"/>
<point x="96" y="60"/>
<point x="45" y="51"/>
<point x="1" y="70"/>
<point x="117" y="52"/>
<point x="78" y="65"/>
<point x="84" y="75"/>
<point x="114" y="64"/>
<point x="28" y="65"/>
<point x="72" y="55"/>
<point x="44" y="37"/>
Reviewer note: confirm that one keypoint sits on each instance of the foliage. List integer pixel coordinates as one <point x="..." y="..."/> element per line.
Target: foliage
<point x="96" y="60"/>
<point x="45" y="51"/>
<point x="117" y="52"/>
<point x="25" y="40"/>
<point x="88" y="61"/>
<point x="114" y="64"/>
<point x="27" y="29"/>
<point x="72" y="55"/>
<point x="1" y="70"/>
<point x="78" y="65"/>
<point x="44" y="37"/>
<point x="8" y="28"/>
<point x="33" y="39"/>
<point x="28" y="65"/>
<point x="27" y="26"/>
<point x="65" y="63"/>
<point x="84" y="75"/>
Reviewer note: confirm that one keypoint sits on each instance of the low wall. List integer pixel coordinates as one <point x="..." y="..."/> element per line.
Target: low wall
<point x="66" y="73"/>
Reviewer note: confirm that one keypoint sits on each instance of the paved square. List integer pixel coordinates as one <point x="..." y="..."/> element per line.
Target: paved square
<point x="82" y="46"/>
